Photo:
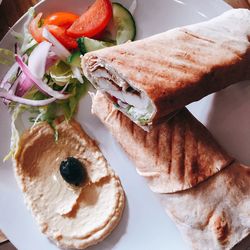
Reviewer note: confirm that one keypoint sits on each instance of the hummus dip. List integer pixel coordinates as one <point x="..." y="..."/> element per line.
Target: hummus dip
<point x="72" y="216"/>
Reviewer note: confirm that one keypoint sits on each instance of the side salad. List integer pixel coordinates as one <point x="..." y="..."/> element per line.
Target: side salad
<point x="45" y="78"/>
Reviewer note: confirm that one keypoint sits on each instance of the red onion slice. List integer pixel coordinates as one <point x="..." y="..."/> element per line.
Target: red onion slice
<point x="11" y="97"/>
<point x="25" y="101"/>
<point x="38" y="58"/>
<point x="23" y="86"/>
<point x="11" y="72"/>
<point x="51" y="60"/>
<point x="40" y="84"/>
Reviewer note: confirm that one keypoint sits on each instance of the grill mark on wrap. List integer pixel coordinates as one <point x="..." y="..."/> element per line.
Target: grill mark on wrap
<point x="194" y="164"/>
<point x="152" y="58"/>
<point x="170" y="142"/>
<point x="221" y="228"/>
<point x="183" y="167"/>
<point x="190" y="67"/>
<point x="172" y="62"/>
<point x="160" y="148"/>
<point x="118" y="116"/>
<point x="148" y="71"/>
<point x="158" y="145"/>
<point x="184" y="68"/>
<point x="132" y="127"/>
<point x="178" y="142"/>
<point x="196" y="168"/>
<point x="153" y="54"/>
<point x="144" y="138"/>
<point x="191" y="154"/>
<point x="152" y="145"/>
<point x="159" y="82"/>
<point x="198" y="37"/>
<point x="203" y="144"/>
<point x="233" y="51"/>
<point x="123" y="121"/>
<point x="224" y="45"/>
<point x="181" y="156"/>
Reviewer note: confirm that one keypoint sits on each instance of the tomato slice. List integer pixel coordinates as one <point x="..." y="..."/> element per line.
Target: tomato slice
<point x="59" y="33"/>
<point x="61" y="19"/>
<point x="35" y="30"/>
<point x="93" y="21"/>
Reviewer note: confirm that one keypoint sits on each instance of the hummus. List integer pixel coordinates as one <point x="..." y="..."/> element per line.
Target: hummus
<point x="74" y="217"/>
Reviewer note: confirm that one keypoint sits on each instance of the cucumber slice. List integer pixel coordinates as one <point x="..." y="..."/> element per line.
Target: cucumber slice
<point x="124" y="23"/>
<point x="74" y="59"/>
<point x="122" y="27"/>
<point x="86" y="44"/>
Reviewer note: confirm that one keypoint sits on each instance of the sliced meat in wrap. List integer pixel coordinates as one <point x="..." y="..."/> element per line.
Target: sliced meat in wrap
<point x="151" y="78"/>
<point x="214" y="215"/>
<point x="175" y="155"/>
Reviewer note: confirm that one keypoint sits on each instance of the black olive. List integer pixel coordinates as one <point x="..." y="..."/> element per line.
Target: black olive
<point x="73" y="171"/>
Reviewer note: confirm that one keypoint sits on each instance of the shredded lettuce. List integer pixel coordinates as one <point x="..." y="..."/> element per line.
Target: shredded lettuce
<point x="17" y="128"/>
<point x="28" y="41"/>
<point x="143" y="120"/>
<point x="55" y="79"/>
<point x="60" y="73"/>
<point x="66" y="107"/>
<point x="70" y="106"/>
<point x="141" y="117"/>
<point x="29" y="47"/>
<point x="18" y="36"/>
<point x="6" y="57"/>
<point x="25" y="39"/>
<point x="62" y="76"/>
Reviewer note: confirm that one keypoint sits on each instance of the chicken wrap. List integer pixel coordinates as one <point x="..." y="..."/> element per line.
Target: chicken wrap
<point x="151" y="78"/>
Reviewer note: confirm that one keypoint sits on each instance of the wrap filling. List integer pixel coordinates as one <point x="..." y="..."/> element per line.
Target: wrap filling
<point x="132" y="102"/>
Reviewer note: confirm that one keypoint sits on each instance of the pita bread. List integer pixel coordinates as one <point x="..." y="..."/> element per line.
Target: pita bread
<point x="216" y="213"/>
<point x="2" y="237"/>
<point x="175" y="155"/>
<point x="163" y="73"/>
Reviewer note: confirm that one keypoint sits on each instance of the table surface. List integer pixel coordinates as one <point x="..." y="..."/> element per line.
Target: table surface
<point x="12" y="10"/>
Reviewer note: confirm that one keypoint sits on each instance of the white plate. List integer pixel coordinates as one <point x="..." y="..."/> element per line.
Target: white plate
<point x="144" y="225"/>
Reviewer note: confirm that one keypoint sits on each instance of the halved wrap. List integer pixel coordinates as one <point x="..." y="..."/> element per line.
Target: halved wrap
<point x="151" y="78"/>
<point x="215" y="215"/>
<point x="175" y="155"/>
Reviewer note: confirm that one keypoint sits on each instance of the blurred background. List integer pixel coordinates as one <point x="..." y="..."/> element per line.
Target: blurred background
<point x="11" y="11"/>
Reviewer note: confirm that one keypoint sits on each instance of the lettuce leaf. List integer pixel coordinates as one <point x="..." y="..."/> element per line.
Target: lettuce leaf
<point x="6" y="57"/>
<point x="17" y="127"/>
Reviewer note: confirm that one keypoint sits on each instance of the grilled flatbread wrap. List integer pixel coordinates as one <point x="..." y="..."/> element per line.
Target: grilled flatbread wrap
<point x="175" y="155"/>
<point x="151" y="78"/>
<point x="214" y="215"/>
